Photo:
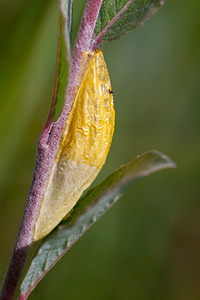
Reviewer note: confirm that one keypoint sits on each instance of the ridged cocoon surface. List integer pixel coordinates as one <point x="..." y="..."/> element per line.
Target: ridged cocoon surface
<point x="84" y="145"/>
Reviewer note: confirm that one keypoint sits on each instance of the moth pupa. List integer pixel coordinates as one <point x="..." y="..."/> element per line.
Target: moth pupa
<point x="84" y="144"/>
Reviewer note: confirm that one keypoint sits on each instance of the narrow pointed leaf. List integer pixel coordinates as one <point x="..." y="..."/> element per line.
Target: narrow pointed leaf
<point x="87" y="211"/>
<point x="63" y="58"/>
<point x="117" y="17"/>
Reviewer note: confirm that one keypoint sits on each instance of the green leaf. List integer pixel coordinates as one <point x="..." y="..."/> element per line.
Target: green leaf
<point x="63" y="58"/>
<point x="117" y="17"/>
<point x="97" y="201"/>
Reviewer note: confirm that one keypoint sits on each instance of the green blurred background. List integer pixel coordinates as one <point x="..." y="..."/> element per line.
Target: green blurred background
<point x="147" y="246"/>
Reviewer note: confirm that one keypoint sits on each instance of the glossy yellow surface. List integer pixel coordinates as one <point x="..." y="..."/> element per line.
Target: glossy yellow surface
<point x="84" y="145"/>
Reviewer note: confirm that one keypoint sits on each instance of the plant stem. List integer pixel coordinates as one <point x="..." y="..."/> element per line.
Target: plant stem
<point x="25" y="234"/>
<point x="13" y="273"/>
<point x="47" y="148"/>
<point x="83" y="42"/>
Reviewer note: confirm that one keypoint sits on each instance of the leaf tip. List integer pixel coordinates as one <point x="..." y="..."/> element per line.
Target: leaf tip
<point x="167" y="161"/>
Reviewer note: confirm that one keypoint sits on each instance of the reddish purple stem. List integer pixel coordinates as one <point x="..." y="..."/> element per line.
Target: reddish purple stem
<point x="48" y="145"/>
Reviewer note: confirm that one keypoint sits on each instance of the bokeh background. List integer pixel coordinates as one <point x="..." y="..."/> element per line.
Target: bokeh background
<point x="147" y="246"/>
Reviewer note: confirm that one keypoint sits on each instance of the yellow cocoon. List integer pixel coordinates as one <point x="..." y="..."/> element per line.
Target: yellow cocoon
<point x="84" y="144"/>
